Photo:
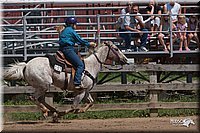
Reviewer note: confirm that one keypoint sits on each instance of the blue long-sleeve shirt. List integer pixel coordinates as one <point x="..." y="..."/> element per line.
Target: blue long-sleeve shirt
<point x="69" y="37"/>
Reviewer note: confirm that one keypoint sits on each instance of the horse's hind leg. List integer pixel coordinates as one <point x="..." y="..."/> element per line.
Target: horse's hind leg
<point x="54" y="112"/>
<point x="42" y="100"/>
<point x="40" y="105"/>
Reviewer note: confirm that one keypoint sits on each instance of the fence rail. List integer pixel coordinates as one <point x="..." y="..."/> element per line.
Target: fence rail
<point x="153" y="88"/>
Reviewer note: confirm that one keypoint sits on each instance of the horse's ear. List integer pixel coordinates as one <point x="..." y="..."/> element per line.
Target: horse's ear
<point x="108" y="43"/>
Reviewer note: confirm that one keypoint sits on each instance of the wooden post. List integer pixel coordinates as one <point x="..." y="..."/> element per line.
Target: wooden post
<point x="153" y="94"/>
<point x="123" y="78"/>
<point x="49" y="98"/>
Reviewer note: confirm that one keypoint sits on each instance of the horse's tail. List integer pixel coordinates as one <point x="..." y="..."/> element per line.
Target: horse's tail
<point x="15" y="71"/>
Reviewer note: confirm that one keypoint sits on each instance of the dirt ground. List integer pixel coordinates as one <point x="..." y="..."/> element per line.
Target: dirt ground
<point x="104" y="125"/>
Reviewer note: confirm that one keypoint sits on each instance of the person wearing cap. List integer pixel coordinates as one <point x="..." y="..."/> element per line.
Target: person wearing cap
<point x="68" y="38"/>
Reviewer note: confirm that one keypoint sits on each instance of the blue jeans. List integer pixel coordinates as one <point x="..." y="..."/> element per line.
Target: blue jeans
<point x="127" y="37"/>
<point x="73" y="58"/>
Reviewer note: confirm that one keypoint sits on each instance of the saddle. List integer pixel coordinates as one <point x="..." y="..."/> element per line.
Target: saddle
<point x="59" y="63"/>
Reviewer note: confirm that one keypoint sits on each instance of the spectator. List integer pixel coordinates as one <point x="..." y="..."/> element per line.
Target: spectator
<point x="120" y="22"/>
<point x="182" y="27"/>
<point x="154" y="21"/>
<point x="165" y="26"/>
<point x="124" y="11"/>
<point x="193" y="26"/>
<point x="135" y="24"/>
<point x="173" y="8"/>
<point x="198" y="33"/>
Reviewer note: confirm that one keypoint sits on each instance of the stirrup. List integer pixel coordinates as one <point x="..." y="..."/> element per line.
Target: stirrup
<point x="79" y="87"/>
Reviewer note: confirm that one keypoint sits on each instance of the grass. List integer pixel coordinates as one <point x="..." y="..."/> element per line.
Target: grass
<point x="104" y="114"/>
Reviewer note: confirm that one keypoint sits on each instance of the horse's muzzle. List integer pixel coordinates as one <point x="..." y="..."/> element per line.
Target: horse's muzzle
<point x="124" y="61"/>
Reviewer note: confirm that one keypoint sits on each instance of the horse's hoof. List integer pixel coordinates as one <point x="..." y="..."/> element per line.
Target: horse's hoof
<point x="55" y="117"/>
<point x="45" y="114"/>
<point x="76" y="111"/>
<point x="69" y="111"/>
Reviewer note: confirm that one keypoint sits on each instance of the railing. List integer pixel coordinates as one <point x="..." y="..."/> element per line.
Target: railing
<point x="25" y="39"/>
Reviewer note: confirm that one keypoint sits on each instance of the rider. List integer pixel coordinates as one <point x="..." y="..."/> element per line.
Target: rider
<point x="67" y="40"/>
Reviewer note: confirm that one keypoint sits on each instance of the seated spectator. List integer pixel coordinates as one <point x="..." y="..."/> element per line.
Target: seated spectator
<point x="124" y="11"/>
<point x="173" y="8"/>
<point x="193" y="26"/>
<point x="120" y="22"/>
<point x="134" y="24"/>
<point x="165" y="26"/>
<point x="182" y="26"/>
<point x="153" y="22"/>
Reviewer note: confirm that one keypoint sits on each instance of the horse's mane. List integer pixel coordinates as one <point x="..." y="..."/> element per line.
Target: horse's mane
<point x="94" y="50"/>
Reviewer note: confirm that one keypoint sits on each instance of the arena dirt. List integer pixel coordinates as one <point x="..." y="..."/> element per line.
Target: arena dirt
<point x="158" y="124"/>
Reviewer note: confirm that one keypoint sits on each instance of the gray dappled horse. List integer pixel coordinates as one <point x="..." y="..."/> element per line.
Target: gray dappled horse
<point x="38" y="73"/>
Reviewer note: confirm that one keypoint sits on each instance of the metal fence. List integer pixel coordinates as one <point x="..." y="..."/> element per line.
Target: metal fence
<point x="26" y="35"/>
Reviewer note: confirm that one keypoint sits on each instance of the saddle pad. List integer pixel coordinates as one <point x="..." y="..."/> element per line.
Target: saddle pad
<point x="56" y="65"/>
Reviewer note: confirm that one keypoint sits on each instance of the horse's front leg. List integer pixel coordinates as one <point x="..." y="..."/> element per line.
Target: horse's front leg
<point x="89" y="104"/>
<point x="75" y="107"/>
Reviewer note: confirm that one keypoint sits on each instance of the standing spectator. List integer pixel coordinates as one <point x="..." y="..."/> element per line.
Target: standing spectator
<point x="154" y="21"/>
<point x="135" y="24"/>
<point x="165" y="26"/>
<point x="193" y="26"/>
<point x="182" y="27"/>
<point x="174" y="8"/>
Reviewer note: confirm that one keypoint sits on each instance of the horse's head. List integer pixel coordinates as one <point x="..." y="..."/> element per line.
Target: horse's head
<point x="115" y="54"/>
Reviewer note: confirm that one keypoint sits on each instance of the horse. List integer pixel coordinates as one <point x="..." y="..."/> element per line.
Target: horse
<point x="38" y="73"/>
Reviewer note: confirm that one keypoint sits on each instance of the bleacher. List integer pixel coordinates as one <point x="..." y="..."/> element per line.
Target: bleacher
<point x="97" y="22"/>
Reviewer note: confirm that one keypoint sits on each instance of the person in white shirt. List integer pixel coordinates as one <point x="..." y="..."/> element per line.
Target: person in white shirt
<point x="134" y="24"/>
<point x="124" y="11"/>
<point x="174" y="8"/>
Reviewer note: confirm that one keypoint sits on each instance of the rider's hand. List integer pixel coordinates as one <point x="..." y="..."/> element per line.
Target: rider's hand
<point x="93" y="44"/>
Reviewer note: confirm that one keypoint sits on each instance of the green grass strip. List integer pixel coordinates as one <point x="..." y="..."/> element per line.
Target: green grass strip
<point x="103" y="114"/>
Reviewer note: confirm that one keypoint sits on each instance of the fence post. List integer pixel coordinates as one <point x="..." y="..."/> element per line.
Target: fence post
<point x="49" y="98"/>
<point x="98" y="29"/>
<point x="123" y="78"/>
<point x="153" y="94"/>
<point x="24" y="38"/>
<point x="171" y="34"/>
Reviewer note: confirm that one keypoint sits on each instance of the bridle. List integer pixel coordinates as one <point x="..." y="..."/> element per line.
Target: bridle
<point x="103" y="63"/>
<point x="110" y="49"/>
